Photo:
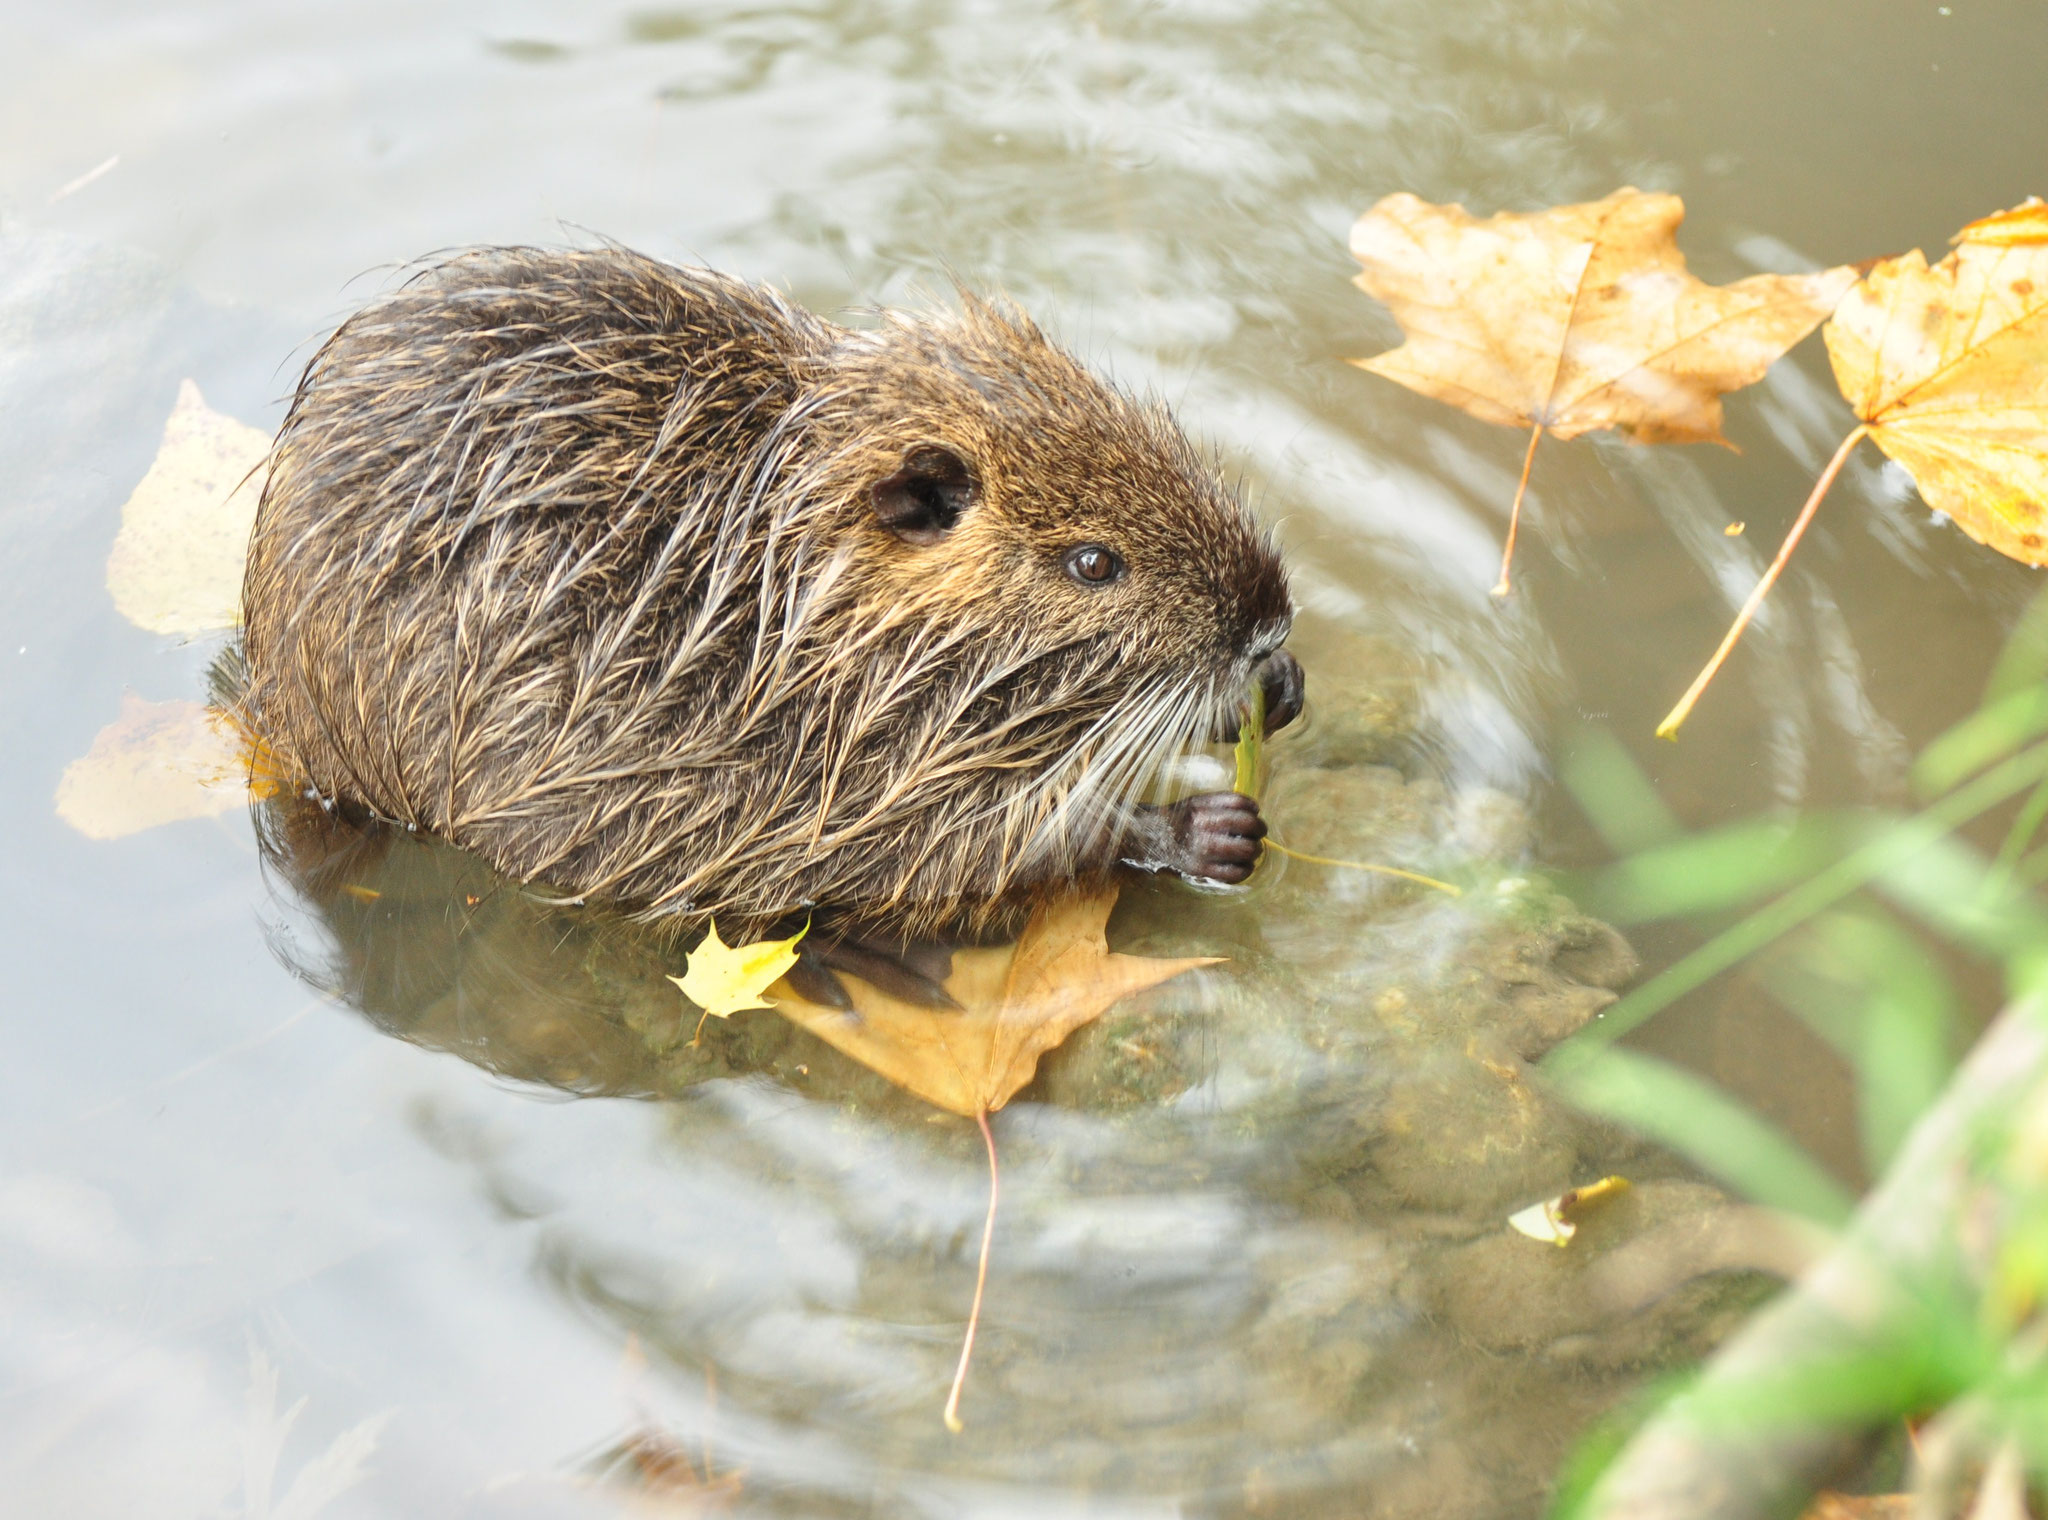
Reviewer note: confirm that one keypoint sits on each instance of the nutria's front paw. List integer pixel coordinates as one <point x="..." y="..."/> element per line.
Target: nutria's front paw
<point x="1215" y="836"/>
<point x="1280" y="677"/>
<point x="1281" y="683"/>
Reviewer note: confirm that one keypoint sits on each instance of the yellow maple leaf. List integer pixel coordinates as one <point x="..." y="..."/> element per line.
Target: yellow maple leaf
<point x="727" y="979"/>
<point x="1946" y="367"/>
<point x="1574" y="318"/>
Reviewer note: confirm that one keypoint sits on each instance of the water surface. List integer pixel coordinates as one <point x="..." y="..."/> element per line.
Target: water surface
<point x="455" y="1182"/>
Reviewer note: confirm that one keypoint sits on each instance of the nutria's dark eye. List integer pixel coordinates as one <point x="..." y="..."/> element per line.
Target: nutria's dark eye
<point x="1093" y="565"/>
<point x="921" y="502"/>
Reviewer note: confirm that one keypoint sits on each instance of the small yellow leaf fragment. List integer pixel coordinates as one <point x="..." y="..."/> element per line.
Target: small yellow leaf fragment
<point x="727" y="979"/>
<point x="176" y="564"/>
<point x="1734" y="530"/>
<point x="158" y="762"/>
<point x="1553" y="1220"/>
<point x="1251" y="738"/>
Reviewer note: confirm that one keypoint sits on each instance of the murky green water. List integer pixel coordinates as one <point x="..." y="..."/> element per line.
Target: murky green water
<point x="1250" y="1260"/>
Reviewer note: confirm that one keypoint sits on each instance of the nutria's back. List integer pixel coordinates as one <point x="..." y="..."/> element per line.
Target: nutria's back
<point x="644" y="582"/>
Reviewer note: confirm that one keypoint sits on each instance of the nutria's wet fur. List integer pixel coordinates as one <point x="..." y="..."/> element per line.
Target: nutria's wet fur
<point x="645" y="583"/>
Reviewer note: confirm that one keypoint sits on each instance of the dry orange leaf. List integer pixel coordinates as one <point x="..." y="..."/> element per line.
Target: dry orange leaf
<point x="1574" y="319"/>
<point x="1947" y="370"/>
<point x="2025" y="223"/>
<point x="1947" y="367"/>
<point x="665" y="1479"/>
<point x="1016" y="1003"/>
<point x="158" y="762"/>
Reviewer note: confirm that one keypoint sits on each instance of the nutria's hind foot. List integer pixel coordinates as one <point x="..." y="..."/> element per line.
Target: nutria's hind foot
<point x="911" y="971"/>
<point x="1214" y="836"/>
<point x="810" y="980"/>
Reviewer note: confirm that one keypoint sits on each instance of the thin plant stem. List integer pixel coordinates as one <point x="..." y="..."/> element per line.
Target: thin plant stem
<point x="1668" y="729"/>
<point x="2032" y="871"/>
<point x="1507" y="553"/>
<point x="988" y="1231"/>
<point x="1897" y="844"/>
<point x="1359" y="865"/>
<point x="2017" y="839"/>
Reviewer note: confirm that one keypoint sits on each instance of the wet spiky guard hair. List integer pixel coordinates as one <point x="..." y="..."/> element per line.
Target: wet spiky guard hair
<point x="649" y="585"/>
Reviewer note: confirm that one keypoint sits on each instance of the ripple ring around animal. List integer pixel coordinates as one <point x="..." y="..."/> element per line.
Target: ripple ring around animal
<point x="644" y="582"/>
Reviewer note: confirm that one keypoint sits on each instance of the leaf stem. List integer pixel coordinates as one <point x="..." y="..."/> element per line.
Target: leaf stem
<point x="1668" y="729"/>
<point x="1507" y="553"/>
<point x="1359" y="865"/>
<point x="988" y="1230"/>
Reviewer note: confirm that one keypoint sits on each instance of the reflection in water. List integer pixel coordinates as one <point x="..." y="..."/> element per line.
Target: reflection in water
<point x="432" y="947"/>
<point x="1252" y="1251"/>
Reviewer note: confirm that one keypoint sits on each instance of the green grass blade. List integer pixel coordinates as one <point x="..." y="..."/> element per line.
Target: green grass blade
<point x="1892" y="847"/>
<point x="1710" y="1129"/>
<point x="1615" y="793"/>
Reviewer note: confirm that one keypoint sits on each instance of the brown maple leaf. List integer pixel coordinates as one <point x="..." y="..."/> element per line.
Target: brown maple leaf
<point x="1946" y="367"/>
<point x="1016" y="1003"/>
<point x="1574" y="319"/>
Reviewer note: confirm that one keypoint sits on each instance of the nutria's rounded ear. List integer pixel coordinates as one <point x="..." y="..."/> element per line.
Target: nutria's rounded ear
<point x="923" y="499"/>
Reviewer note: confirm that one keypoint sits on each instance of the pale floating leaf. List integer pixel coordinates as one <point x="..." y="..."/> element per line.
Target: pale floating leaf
<point x="321" y="1481"/>
<point x="158" y="762"/>
<point x="176" y="565"/>
<point x="339" y="1468"/>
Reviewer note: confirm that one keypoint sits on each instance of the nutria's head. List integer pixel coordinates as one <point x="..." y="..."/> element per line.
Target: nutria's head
<point x="1096" y="570"/>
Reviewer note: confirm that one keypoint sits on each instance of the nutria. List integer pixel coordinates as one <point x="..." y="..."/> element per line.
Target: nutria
<point x="643" y="582"/>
